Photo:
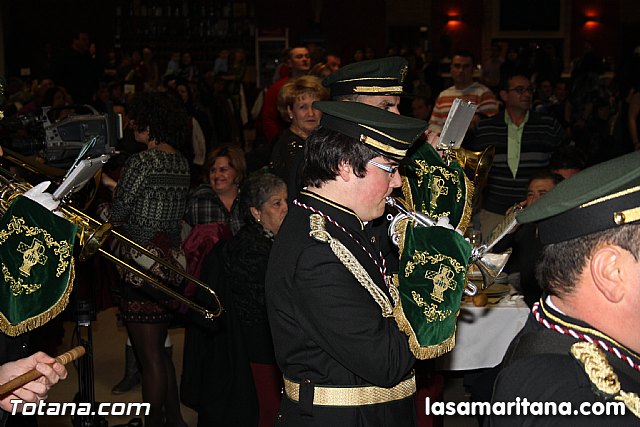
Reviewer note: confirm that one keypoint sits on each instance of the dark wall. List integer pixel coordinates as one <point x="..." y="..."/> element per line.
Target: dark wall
<point x="31" y="25"/>
<point x="465" y="33"/>
<point x="342" y="26"/>
<point x="603" y="34"/>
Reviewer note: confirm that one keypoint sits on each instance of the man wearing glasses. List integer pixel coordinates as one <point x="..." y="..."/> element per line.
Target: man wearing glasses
<point x="329" y="298"/>
<point x="524" y="142"/>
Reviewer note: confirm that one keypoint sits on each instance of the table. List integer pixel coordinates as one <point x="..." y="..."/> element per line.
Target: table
<point x="483" y="334"/>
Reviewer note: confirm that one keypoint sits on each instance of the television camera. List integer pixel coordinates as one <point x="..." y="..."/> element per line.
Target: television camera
<point x="59" y="142"/>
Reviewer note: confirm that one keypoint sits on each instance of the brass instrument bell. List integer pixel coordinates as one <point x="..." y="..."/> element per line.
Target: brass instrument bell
<point x="476" y="164"/>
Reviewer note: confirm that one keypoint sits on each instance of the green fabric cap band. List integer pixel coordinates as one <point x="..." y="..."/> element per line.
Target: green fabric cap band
<point x="603" y="196"/>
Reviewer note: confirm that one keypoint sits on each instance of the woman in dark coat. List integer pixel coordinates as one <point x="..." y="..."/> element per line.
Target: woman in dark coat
<point x="242" y="346"/>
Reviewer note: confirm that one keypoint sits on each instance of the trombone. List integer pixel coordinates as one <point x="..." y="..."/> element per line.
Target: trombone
<point x="91" y="236"/>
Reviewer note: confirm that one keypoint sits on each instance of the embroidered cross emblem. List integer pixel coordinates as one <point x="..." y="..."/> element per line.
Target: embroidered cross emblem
<point x="31" y="255"/>
<point x="442" y="280"/>
<point x="403" y="73"/>
<point x="437" y="189"/>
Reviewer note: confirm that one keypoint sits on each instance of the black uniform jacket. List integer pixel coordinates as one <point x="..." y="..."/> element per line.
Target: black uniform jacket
<point x="539" y="366"/>
<point x="326" y="327"/>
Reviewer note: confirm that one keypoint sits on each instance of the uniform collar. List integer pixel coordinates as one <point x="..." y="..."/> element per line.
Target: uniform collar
<point x="343" y="215"/>
<point x="549" y="316"/>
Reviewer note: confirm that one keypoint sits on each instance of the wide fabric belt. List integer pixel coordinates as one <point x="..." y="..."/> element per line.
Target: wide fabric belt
<point x="353" y="396"/>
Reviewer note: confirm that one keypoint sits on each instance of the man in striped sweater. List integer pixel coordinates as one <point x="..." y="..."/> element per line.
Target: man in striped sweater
<point x="524" y="142"/>
<point x="463" y="87"/>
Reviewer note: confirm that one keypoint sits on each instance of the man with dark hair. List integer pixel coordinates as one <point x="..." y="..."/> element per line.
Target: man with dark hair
<point x="579" y="347"/>
<point x="76" y="71"/>
<point x="329" y="298"/>
<point x="463" y="87"/>
<point x="523" y="141"/>
<point x="524" y="241"/>
<point x="332" y="61"/>
<point x="567" y="161"/>
<point x="299" y="63"/>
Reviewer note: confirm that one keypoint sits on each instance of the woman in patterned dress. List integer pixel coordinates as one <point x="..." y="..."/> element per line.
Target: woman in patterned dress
<point x="149" y="202"/>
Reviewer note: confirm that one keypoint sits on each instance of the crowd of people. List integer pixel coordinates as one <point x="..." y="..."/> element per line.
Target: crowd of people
<point x="187" y="185"/>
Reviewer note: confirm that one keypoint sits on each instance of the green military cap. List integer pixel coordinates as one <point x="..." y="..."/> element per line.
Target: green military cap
<point x="382" y="76"/>
<point x="384" y="132"/>
<point x="603" y="196"/>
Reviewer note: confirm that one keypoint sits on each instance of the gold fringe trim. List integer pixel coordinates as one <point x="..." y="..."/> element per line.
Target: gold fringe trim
<point x="465" y="219"/>
<point x="406" y="192"/>
<point x="401" y="230"/>
<point x="40" y="319"/>
<point x="602" y="376"/>
<point x="419" y="351"/>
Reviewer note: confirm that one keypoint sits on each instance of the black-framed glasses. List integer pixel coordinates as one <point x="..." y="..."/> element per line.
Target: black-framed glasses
<point x="387" y="168"/>
<point x="521" y="89"/>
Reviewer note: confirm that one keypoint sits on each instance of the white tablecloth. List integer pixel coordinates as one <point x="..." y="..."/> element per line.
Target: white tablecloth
<point x="483" y="334"/>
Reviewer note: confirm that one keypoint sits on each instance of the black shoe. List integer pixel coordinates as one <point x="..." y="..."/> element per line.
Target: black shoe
<point x="131" y="373"/>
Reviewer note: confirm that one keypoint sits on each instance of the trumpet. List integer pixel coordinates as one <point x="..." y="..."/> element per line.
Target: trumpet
<point x="91" y="236"/>
<point x="489" y="264"/>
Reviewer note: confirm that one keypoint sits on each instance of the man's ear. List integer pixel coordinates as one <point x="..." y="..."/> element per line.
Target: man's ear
<point x="345" y="171"/>
<point x="607" y="271"/>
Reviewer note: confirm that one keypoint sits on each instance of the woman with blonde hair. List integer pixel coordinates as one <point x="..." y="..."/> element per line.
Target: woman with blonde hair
<point x="295" y="101"/>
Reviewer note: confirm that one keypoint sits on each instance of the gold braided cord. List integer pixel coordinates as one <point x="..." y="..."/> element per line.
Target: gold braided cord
<point x="353" y="396"/>
<point x="319" y="232"/>
<point x="597" y="367"/>
<point x="419" y="351"/>
<point x="386" y="135"/>
<point x="631" y="401"/>
<point x="377" y="89"/>
<point x="602" y="376"/>
<point x="382" y="146"/>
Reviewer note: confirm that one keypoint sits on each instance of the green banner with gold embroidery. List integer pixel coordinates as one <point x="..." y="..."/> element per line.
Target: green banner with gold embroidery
<point x="36" y="263"/>
<point x="436" y="188"/>
<point x="431" y="280"/>
<point x="433" y="260"/>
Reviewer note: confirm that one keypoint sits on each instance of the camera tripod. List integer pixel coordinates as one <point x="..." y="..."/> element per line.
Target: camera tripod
<point x="84" y="314"/>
